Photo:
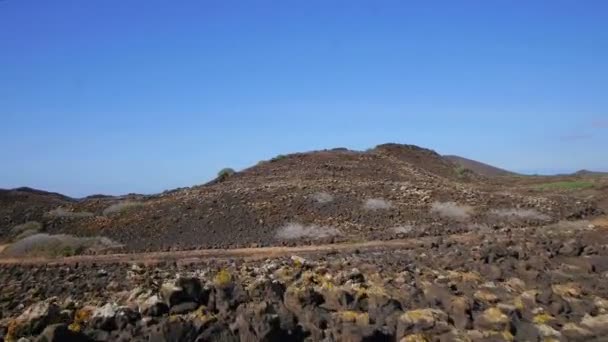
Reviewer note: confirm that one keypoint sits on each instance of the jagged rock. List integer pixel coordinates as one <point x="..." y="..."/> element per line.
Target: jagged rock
<point x="61" y="333"/>
<point x="597" y="325"/>
<point x="103" y="318"/>
<point x="460" y="312"/>
<point x="154" y="307"/>
<point x="574" y="332"/>
<point x="492" y="319"/>
<point x="126" y="316"/>
<point x="35" y="318"/>
<point x="422" y="320"/>
<point x="183" y="308"/>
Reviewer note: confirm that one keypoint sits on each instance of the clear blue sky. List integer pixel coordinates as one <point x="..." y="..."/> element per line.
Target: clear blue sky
<point x="115" y="96"/>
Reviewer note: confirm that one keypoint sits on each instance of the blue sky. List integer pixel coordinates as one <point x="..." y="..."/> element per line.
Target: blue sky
<point x="114" y="96"/>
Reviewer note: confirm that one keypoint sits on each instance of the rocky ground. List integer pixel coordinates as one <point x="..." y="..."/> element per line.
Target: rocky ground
<point x="525" y="284"/>
<point x="392" y="244"/>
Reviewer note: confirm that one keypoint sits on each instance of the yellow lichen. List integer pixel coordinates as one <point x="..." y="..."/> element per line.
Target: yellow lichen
<point x="75" y="327"/>
<point x="519" y="303"/>
<point x="414" y="338"/>
<point x="542" y="318"/>
<point x="361" y="318"/>
<point x="83" y="315"/>
<point x="222" y="278"/>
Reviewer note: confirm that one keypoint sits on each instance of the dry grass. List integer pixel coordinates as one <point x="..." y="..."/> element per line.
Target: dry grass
<point x="298" y="231"/>
<point x="58" y="245"/>
<point x="63" y="213"/>
<point x="451" y="210"/>
<point x="121" y="207"/>
<point x="323" y="197"/>
<point x="377" y="204"/>
<point x="520" y="213"/>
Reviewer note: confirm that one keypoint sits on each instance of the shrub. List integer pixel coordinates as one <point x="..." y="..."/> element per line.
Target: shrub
<point x="462" y="171"/>
<point x="279" y="157"/>
<point x="58" y="245"/>
<point x="298" y="231"/>
<point x="520" y="213"/>
<point x="63" y="213"/>
<point x="27" y="226"/>
<point x="451" y="210"/>
<point x="322" y="197"/>
<point x="225" y="173"/>
<point x="120" y="207"/>
<point x="376" y="204"/>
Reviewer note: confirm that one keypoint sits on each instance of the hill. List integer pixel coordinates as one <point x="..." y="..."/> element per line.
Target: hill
<point x="478" y="167"/>
<point x="314" y="197"/>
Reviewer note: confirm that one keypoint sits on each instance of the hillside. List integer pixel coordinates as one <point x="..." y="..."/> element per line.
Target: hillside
<point x="321" y="196"/>
<point x="478" y="167"/>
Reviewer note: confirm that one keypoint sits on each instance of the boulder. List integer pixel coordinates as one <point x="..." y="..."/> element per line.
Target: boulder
<point x="61" y="333"/>
<point x="492" y="319"/>
<point x="422" y="320"/>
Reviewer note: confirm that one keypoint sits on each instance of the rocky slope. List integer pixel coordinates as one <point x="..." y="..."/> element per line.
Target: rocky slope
<point x="478" y="167"/>
<point x="316" y="197"/>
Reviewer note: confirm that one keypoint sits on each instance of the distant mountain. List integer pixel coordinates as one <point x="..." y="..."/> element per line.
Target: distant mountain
<point x="589" y="173"/>
<point x="479" y="167"/>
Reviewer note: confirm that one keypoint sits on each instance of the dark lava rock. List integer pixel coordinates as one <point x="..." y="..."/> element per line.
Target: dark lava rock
<point x="183" y="308"/>
<point x="61" y="333"/>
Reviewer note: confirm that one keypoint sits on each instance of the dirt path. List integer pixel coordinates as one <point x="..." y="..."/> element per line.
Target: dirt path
<point x="247" y="253"/>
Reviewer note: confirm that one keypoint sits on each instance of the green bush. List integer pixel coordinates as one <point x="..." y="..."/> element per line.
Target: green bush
<point x="225" y="173"/>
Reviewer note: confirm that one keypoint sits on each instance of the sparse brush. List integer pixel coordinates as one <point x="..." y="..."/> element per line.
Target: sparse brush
<point x="225" y="173"/>
<point x="27" y="226"/>
<point x="298" y="231"/>
<point x="322" y="197"/>
<point x="451" y="210"/>
<point x="58" y="245"/>
<point x="376" y="204"/>
<point x="63" y="213"/>
<point x="121" y="207"/>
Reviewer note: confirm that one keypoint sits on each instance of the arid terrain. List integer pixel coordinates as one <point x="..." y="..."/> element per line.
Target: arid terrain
<point x="397" y="243"/>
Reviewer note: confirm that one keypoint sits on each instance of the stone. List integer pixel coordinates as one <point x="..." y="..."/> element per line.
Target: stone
<point x="460" y="312"/>
<point x="103" y="317"/>
<point x="415" y="321"/>
<point x="597" y="325"/>
<point x="183" y="308"/>
<point x="61" y="333"/>
<point x="492" y="319"/>
<point x="154" y="307"/>
<point x="35" y="318"/>
<point x="574" y="332"/>
<point x="546" y="331"/>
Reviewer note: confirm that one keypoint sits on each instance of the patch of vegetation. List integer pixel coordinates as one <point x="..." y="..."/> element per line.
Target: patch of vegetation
<point x="63" y="213"/>
<point x="225" y="173"/>
<point x="121" y="207"/>
<point x="61" y="245"/>
<point x="25" y="229"/>
<point x="279" y="157"/>
<point x="377" y="204"/>
<point x="565" y="185"/>
<point x="462" y="171"/>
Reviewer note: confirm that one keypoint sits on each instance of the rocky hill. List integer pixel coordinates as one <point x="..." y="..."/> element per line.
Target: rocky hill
<point x="322" y="196"/>
<point x="479" y="167"/>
